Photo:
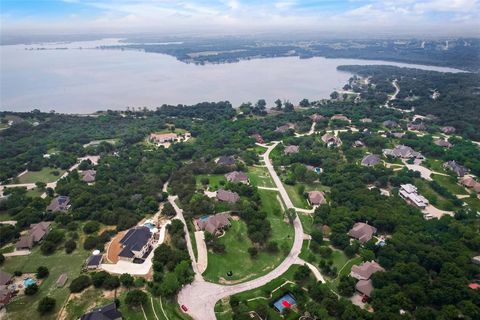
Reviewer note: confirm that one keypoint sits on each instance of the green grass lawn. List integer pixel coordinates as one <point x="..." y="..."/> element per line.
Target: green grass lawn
<point x="433" y="197"/>
<point x="57" y="263"/>
<point x="260" y="177"/>
<point x="4" y="216"/>
<point x="237" y="259"/>
<point x="298" y="199"/>
<point x="214" y="181"/>
<point x="474" y="203"/>
<point x="35" y="192"/>
<point x="449" y="183"/>
<point x="7" y="249"/>
<point x="44" y="175"/>
<point x="434" y="164"/>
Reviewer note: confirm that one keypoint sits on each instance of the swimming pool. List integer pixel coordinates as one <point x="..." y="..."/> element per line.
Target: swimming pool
<point x="149" y="225"/>
<point x="28" y="282"/>
<point x="204" y="218"/>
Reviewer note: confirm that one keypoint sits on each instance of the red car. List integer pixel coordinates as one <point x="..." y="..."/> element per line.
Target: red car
<point x="184" y="308"/>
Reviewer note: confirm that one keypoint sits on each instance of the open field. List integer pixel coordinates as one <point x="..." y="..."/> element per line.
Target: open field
<point x="44" y="175"/>
<point x="214" y="181"/>
<point x="260" y="177"/>
<point x="449" y="183"/>
<point x="25" y="307"/>
<point x="236" y="241"/>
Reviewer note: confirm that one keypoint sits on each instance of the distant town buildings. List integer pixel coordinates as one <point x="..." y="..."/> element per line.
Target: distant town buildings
<point x="340" y="117"/>
<point x="410" y="193"/>
<point x="417" y="126"/>
<point x="390" y="124"/>
<point x="317" y="117"/>
<point x="284" y="128"/>
<point x="363" y="273"/>
<point x="258" y="138"/>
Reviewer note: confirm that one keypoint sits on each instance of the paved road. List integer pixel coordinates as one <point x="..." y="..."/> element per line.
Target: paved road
<point x="312" y="268"/>
<point x="200" y="296"/>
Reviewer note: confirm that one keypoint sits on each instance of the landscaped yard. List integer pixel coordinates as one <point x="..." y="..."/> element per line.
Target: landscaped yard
<point x="89" y="299"/>
<point x="45" y="175"/>
<point x="450" y="183"/>
<point x="260" y="177"/>
<point x="434" y="164"/>
<point x="299" y="200"/>
<point x="237" y="259"/>
<point x="35" y="192"/>
<point x="214" y="181"/>
<point x="57" y="263"/>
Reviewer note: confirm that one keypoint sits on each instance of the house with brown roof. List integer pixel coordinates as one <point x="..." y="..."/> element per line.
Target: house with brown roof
<point x="36" y="234"/>
<point x="59" y="204"/>
<point x="364" y="287"/>
<point x="5" y="278"/>
<point x="362" y="232"/>
<point x="284" y="128"/>
<point x="331" y="140"/>
<point x="390" y="124"/>
<point x="448" y="130"/>
<point x="340" y="117"/>
<point x="317" y="117"/>
<point x="443" y="143"/>
<point x="258" y="138"/>
<point x="6" y="294"/>
<point x="468" y="182"/>
<point x="291" y="149"/>
<point x="316" y="198"/>
<point x="365" y="270"/>
<point x="237" y="177"/>
<point x="88" y="176"/>
<point x="226" y="161"/>
<point x="227" y="196"/>
<point x="213" y="224"/>
<point x="402" y="151"/>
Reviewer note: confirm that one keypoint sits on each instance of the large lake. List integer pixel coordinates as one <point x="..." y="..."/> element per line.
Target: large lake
<point x="82" y="79"/>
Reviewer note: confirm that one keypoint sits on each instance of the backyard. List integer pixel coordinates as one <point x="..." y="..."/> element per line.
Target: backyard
<point x="237" y="259"/>
<point x="213" y="181"/>
<point x="57" y="263"/>
<point x="299" y="200"/>
<point x="45" y="175"/>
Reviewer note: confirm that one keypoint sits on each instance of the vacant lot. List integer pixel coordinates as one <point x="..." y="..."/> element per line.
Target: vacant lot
<point x="236" y="241"/>
<point x="45" y="175"/>
<point x="25" y="307"/>
<point x="260" y="177"/>
<point x="449" y="183"/>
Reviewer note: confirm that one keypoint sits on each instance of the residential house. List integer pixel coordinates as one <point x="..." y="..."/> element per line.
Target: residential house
<point x="366" y="120"/>
<point x="226" y="161"/>
<point x="340" y="117"/>
<point x="365" y="270"/>
<point x="410" y="193"/>
<point x="317" y="117"/>
<point x="476" y="260"/>
<point x="397" y="135"/>
<point x="36" y="233"/>
<point x="136" y="243"/>
<point x="468" y="182"/>
<point x="213" y="224"/>
<point x="159" y="138"/>
<point x="371" y="160"/>
<point x="358" y="144"/>
<point x="227" y="196"/>
<point x="443" y="143"/>
<point x="107" y="312"/>
<point x="331" y="140"/>
<point x="6" y="294"/>
<point x="88" y="176"/>
<point x="417" y="126"/>
<point x="390" y="124"/>
<point x="237" y="177"/>
<point x="448" y="130"/>
<point x="316" y="198"/>
<point x="404" y="152"/>
<point x="94" y="261"/>
<point x="5" y="278"/>
<point x="258" y="138"/>
<point x="284" y="128"/>
<point x="291" y="149"/>
<point x="455" y="167"/>
<point x="59" y="204"/>
<point x="362" y="232"/>
<point x="364" y="287"/>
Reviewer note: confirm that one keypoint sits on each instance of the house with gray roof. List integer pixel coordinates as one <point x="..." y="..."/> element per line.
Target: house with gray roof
<point x="365" y="270"/>
<point x="136" y="243"/>
<point x="331" y="140"/>
<point x="88" y="176"/>
<point x="59" y="204"/>
<point x="390" y="124"/>
<point x="364" y="287"/>
<point x="94" y="261"/>
<point x="443" y="143"/>
<point x="227" y="196"/>
<point x="316" y="198"/>
<point x="237" y="177"/>
<point x="448" y="130"/>
<point x="5" y="278"/>
<point x="417" y="126"/>
<point x="371" y="160"/>
<point x="404" y="152"/>
<point x="107" y="312"/>
<point x="362" y="232"/>
<point x="340" y="117"/>
<point x="455" y="167"/>
<point x="291" y="149"/>
<point x="284" y="128"/>
<point x="226" y="161"/>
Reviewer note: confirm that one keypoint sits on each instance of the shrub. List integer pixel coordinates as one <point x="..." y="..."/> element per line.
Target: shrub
<point x="48" y="247"/>
<point x="127" y="280"/>
<point x="80" y="283"/>
<point x="90" y="242"/>
<point x="70" y="245"/>
<point x="135" y="298"/>
<point x="42" y="272"/>
<point x="91" y="227"/>
<point x="31" y="289"/>
<point x="98" y="278"/>
<point x="46" y="305"/>
<point x="111" y="282"/>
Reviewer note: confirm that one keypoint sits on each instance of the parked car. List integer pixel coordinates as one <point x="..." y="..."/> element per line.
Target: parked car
<point x="184" y="308"/>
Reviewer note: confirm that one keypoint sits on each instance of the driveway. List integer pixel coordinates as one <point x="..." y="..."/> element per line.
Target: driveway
<point x="200" y="296"/>
<point x="202" y="251"/>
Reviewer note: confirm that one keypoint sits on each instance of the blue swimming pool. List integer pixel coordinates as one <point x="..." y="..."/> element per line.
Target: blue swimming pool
<point x="204" y="218"/>
<point x="28" y="282"/>
<point x="149" y="225"/>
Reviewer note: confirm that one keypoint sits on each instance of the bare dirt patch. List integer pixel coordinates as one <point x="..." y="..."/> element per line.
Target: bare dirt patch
<point x="114" y="248"/>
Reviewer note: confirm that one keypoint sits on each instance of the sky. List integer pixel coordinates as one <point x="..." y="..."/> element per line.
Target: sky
<point x="439" y="17"/>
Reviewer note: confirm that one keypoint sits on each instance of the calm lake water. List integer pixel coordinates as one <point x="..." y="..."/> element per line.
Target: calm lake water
<point x="81" y="79"/>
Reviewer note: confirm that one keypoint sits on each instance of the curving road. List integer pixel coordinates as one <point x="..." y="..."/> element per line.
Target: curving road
<point x="200" y="296"/>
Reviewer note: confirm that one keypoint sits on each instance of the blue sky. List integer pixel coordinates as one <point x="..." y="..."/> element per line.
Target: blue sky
<point x="354" y="16"/>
